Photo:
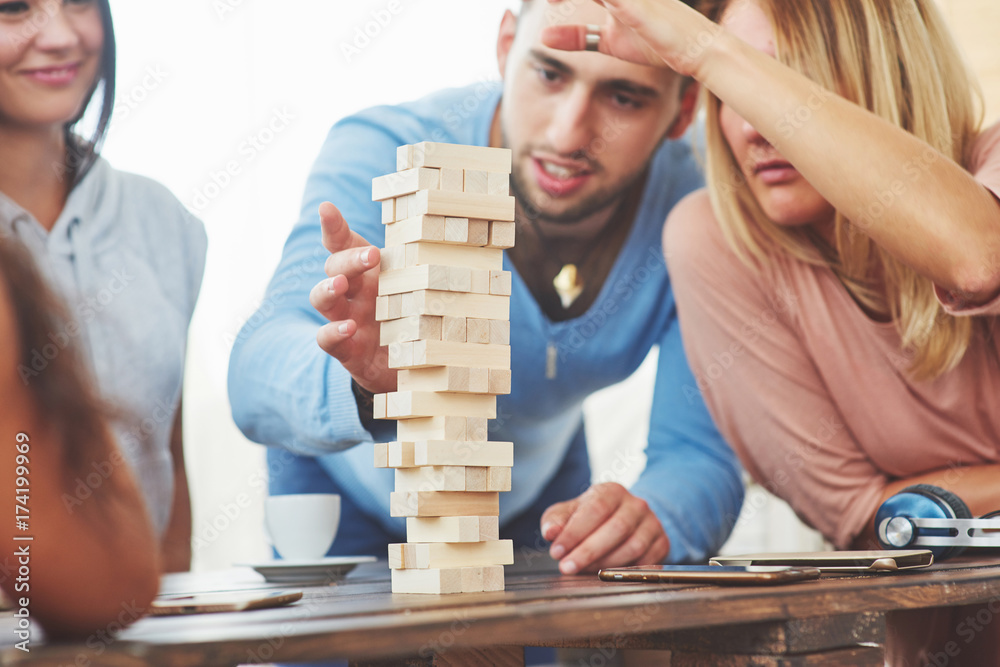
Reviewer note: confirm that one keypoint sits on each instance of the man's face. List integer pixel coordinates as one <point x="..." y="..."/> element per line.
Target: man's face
<point x="582" y="126"/>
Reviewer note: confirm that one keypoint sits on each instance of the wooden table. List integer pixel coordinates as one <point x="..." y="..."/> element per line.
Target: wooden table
<point x="832" y="621"/>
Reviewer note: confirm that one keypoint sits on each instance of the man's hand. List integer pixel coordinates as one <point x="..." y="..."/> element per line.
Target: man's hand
<point x="604" y="527"/>
<point x="347" y="299"/>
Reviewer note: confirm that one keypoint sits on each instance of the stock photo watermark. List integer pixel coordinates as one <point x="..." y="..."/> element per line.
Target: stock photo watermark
<point x="22" y="541"/>
<point x="249" y="149"/>
<point x="365" y="34"/>
<point x="86" y="312"/>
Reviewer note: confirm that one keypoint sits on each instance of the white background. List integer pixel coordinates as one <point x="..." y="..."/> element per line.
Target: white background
<point x="196" y="80"/>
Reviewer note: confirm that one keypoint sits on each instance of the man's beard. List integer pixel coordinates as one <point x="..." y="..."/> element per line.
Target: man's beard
<point x="600" y="200"/>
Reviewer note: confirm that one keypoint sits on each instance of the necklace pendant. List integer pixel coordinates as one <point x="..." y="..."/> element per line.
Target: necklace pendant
<point x="568" y="285"/>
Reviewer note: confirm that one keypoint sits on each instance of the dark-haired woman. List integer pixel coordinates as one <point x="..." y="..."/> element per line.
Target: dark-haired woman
<point x="86" y="566"/>
<point x="119" y="249"/>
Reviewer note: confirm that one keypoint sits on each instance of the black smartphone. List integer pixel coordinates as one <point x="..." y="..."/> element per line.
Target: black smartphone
<point x="709" y="574"/>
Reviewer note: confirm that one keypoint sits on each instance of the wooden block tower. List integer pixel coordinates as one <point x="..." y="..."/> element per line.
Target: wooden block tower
<point x="444" y="307"/>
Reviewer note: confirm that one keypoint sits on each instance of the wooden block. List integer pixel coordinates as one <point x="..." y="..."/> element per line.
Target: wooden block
<point x="447" y="478"/>
<point x="499" y="381"/>
<point x="443" y="503"/>
<point x="457" y="156"/>
<point x="445" y="379"/>
<point x="459" y="205"/>
<point x="488" y="259"/>
<point x="404" y="158"/>
<point x="472" y="579"/>
<point x="428" y="276"/>
<point x="428" y="582"/>
<point x="391" y="259"/>
<point x="477" y="479"/>
<point x="500" y="283"/>
<point x="479" y="380"/>
<point x="381" y="308"/>
<point x="476" y="182"/>
<point x="501" y="234"/>
<point x="416" y="404"/>
<point x="499" y="332"/>
<point x="405" y="182"/>
<point x="489" y="528"/>
<point x="434" y="555"/>
<point x="452" y="529"/>
<point x="381" y="454"/>
<point x="497" y="183"/>
<point x="497" y="478"/>
<point x="478" y="330"/>
<point x="479" y="281"/>
<point x="477" y="429"/>
<point x="379" y="406"/>
<point x="456" y="230"/>
<point x="388" y="211"/>
<point x="388" y="307"/>
<point x="407" y="329"/>
<point x="455" y="304"/>
<point x="463" y="453"/>
<point x="400" y="455"/>
<point x="395" y="306"/>
<point x="413" y="229"/>
<point x="434" y="478"/>
<point x="400" y="355"/>
<point x="424" y="353"/>
<point x="402" y="207"/>
<point x="479" y="232"/>
<point x="493" y="579"/>
<point x="453" y="329"/>
<point x="453" y="180"/>
<point x="470" y="355"/>
<point x="434" y="429"/>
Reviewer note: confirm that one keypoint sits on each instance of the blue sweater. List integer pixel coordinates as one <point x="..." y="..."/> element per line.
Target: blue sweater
<point x="287" y="392"/>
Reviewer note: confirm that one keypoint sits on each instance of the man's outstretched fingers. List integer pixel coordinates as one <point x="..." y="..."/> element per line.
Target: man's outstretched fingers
<point x="328" y="297"/>
<point x="352" y="262"/>
<point x="334" y="338"/>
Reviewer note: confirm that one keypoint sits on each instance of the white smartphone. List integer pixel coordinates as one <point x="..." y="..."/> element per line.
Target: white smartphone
<point x="838" y="561"/>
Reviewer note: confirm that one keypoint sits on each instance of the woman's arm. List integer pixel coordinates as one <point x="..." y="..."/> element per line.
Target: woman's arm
<point x="92" y="557"/>
<point x="175" y="549"/>
<point x="914" y="202"/>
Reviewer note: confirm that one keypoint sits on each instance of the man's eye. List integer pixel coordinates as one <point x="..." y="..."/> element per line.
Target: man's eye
<point x="548" y="75"/>
<point x="626" y="101"/>
<point x="12" y="8"/>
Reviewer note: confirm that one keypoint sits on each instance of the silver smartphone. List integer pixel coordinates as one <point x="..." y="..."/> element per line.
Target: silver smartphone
<point x="838" y="561"/>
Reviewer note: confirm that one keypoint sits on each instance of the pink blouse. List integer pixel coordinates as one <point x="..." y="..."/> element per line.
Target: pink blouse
<point x="811" y="393"/>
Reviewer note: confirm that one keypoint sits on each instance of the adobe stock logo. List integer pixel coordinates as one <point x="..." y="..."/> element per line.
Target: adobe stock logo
<point x="363" y="35"/>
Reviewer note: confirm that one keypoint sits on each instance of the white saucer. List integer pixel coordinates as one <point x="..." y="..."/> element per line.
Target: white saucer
<point x="328" y="569"/>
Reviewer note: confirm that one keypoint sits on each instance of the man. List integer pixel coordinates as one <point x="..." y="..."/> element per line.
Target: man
<point x="595" y="172"/>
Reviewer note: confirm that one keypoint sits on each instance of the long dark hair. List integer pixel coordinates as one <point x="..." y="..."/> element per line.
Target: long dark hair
<point x="81" y="153"/>
<point x="52" y="372"/>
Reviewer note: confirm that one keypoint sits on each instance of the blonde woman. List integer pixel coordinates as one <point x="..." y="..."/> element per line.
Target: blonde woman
<point x="838" y="285"/>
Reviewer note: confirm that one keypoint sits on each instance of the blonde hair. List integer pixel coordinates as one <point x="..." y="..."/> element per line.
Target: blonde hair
<point x="897" y="59"/>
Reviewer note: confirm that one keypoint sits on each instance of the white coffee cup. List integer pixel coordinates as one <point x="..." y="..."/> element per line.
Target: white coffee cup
<point x="302" y="526"/>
